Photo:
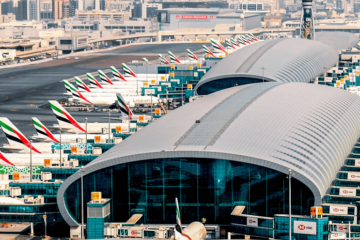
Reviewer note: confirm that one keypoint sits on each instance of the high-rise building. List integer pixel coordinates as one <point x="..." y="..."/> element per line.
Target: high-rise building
<point x="33" y="10"/>
<point x="46" y="9"/>
<point x="80" y="5"/>
<point x="21" y="11"/>
<point x="7" y="7"/>
<point x="72" y="7"/>
<point x="58" y="9"/>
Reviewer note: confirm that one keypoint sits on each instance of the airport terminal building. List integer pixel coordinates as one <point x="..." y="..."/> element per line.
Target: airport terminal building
<point x="231" y="148"/>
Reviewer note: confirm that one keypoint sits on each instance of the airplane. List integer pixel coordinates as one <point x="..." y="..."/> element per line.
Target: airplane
<point x="23" y="159"/>
<point x="44" y="134"/>
<point x="163" y="60"/>
<point x="191" y="55"/>
<point x="110" y="100"/>
<point x="96" y="84"/>
<point x="81" y="85"/>
<point x="104" y="89"/>
<point x="229" y="44"/>
<point x="17" y="141"/>
<point x="128" y="70"/>
<point x="208" y="51"/>
<point x="125" y="109"/>
<point x="69" y="124"/>
<point x="250" y="38"/>
<point x="217" y="46"/>
<point x="241" y="41"/>
<point x="93" y="81"/>
<point x="140" y="77"/>
<point x="255" y="38"/>
<point x="117" y="74"/>
<point x="104" y="78"/>
<point x="245" y="39"/>
<point x="173" y="58"/>
<point x="194" y="231"/>
<point x="235" y="43"/>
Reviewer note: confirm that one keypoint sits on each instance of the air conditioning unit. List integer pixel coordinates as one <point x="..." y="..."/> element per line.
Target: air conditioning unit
<point x="15" y="191"/>
<point x="97" y="151"/>
<point x="46" y="176"/>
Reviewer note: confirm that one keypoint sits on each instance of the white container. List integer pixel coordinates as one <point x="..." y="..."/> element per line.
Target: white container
<point x="15" y="191"/>
<point x="97" y="151"/>
<point x="46" y="176"/>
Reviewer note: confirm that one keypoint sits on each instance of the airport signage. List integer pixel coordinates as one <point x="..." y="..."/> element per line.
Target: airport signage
<point x="353" y="176"/>
<point x="347" y="191"/>
<point x="338" y="236"/>
<point x="342" y="228"/>
<point x="357" y="162"/>
<point x="149" y="91"/>
<point x="250" y="221"/>
<point x="304" y="227"/>
<point x="338" y="210"/>
<point x="191" y="17"/>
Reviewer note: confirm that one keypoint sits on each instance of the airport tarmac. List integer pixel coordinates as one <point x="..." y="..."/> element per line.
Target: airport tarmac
<point x="24" y="88"/>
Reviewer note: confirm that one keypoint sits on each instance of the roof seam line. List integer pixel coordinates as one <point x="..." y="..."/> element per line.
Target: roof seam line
<point x="178" y="142"/>
<point x="213" y="140"/>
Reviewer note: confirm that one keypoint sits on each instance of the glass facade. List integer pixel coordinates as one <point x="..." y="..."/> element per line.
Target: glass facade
<point x="206" y="188"/>
<point x="221" y="84"/>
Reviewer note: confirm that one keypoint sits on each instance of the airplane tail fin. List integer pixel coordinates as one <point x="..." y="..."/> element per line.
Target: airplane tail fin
<point x="63" y="117"/>
<point x="42" y="130"/>
<point x="191" y="55"/>
<point x="93" y="82"/>
<point x="116" y="73"/>
<point x="13" y="135"/>
<point x="104" y="78"/>
<point x="81" y="85"/>
<point x="128" y="70"/>
<point x="217" y="45"/>
<point x="68" y="90"/>
<point x="124" y="108"/>
<point x="178" y="227"/>
<point x="255" y="38"/>
<point x="233" y="41"/>
<point x="241" y="41"/>
<point x="74" y="91"/>
<point x="229" y="43"/>
<point x="173" y="58"/>
<point x="163" y="60"/>
<point x="2" y="157"/>
<point x="208" y="51"/>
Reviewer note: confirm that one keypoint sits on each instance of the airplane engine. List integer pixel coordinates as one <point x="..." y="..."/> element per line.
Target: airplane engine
<point x="196" y="231"/>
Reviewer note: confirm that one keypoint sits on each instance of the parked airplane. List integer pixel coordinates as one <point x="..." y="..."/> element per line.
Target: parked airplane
<point x="17" y="141"/>
<point x="116" y="74"/>
<point x="44" y="134"/>
<point x="23" y="159"/>
<point x="81" y="85"/>
<point x="218" y="46"/>
<point x="194" y="231"/>
<point x="235" y="43"/>
<point x="163" y="60"/>
<point x="104" y="89"/>
<point x="125" y="109"/>
<point x="191" y="55"/>
<point x="68" y="124"/>
<point x="173" y="58"/>
<point x="110" y="100"/>
<point x="208" y="51"/>
<point x="229" y="44"/>
<point x="128" y="70"/>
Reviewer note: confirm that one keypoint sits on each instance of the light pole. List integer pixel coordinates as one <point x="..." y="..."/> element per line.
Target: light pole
<point x="86" y="150"/>
<point x="82" y="201"/>
<point x="60" y="148"/>
<point x="109" y="127"/>
<point x="137" y="82"/>
<point x="290" y="175"/>
<point x="31" y="161"/>
<point x="151" y="108"/>
<point x="263" y="70"/>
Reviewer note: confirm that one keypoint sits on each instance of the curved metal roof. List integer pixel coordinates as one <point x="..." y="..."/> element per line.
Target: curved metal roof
<point x="284" y="60"/>
<point x="337" y="40"/>
<point x="308" y="128"/>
